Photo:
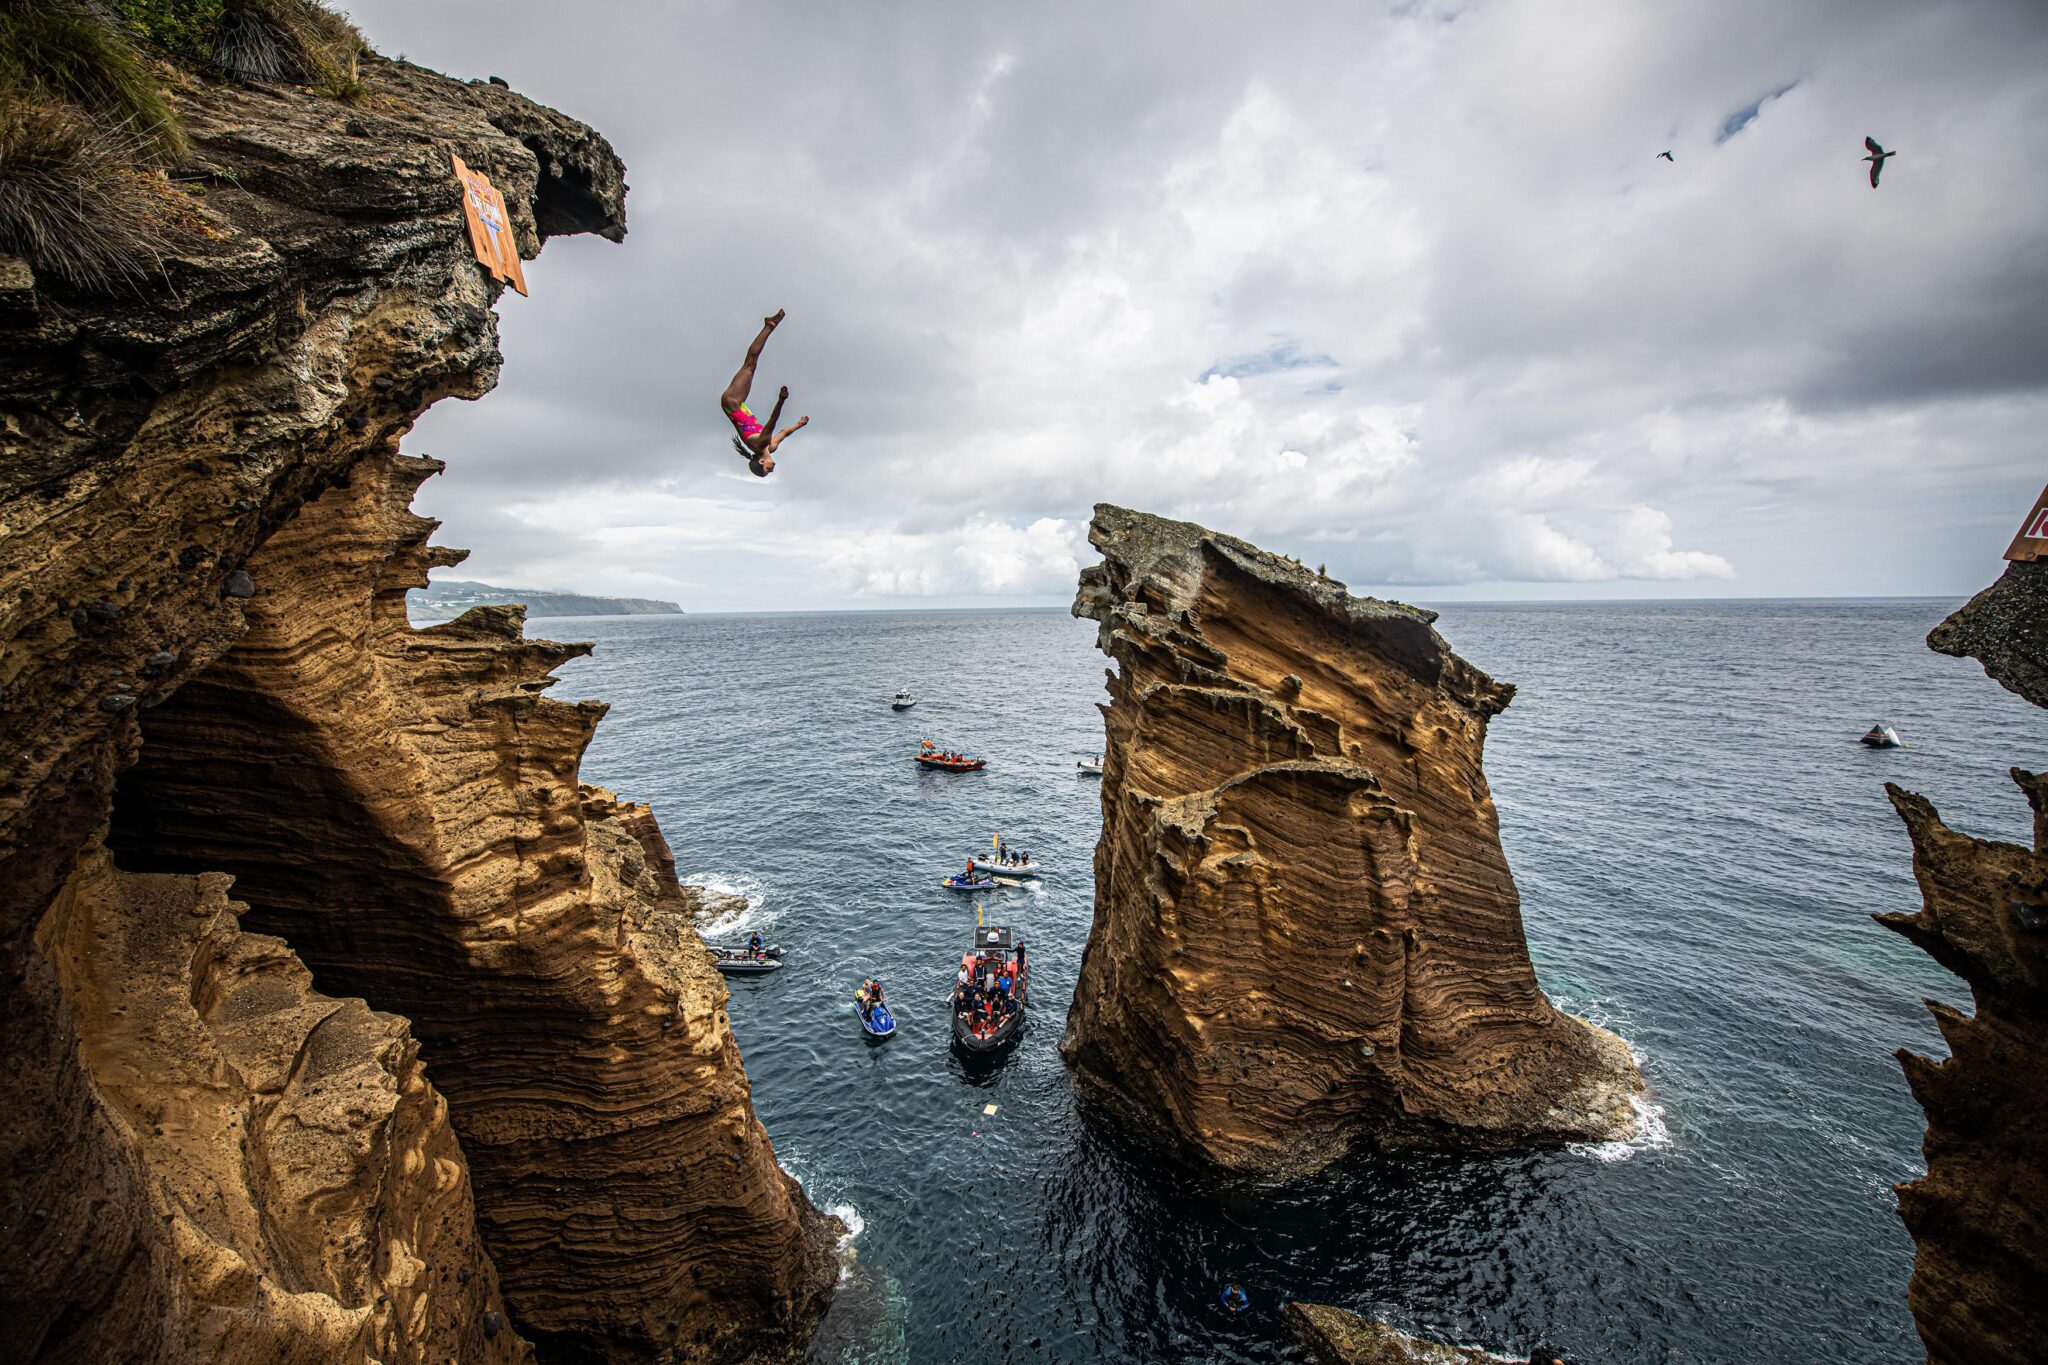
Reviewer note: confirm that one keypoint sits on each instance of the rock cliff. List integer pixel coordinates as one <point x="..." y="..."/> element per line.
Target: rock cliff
<point x="1979" y="1217"/>
<point x="1335" y="1337"/>
<point x="1305" y="929"/>
<point x="204" y="553"/>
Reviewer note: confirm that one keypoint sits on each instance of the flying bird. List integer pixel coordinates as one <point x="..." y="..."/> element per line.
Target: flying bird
<point x="1668" y="157"/>
<point x="1876" y="159"/>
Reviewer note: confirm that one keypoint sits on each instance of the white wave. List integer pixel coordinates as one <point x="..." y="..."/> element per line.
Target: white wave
<point x="741" y="905"/>
<point x="849" y="1215"/>
<point x="845" y="1212"/>
<point x="1651" y="1132"/>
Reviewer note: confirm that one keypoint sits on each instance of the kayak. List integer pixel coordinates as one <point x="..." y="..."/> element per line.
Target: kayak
<point x="739" y="961"/>
<point x="875" y="1020"/>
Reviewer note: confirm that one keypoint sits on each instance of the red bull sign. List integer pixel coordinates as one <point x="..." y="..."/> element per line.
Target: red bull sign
<point x="2032" y="541"/>
<point x="490" y="226"/>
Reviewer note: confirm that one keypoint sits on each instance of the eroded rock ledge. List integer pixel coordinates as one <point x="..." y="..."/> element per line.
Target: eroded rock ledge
<point x="204" y="548"/>
<point x="1305" y="929"/>
<point x="1979" y="1217"/>
<point x="1335" y="1337"/>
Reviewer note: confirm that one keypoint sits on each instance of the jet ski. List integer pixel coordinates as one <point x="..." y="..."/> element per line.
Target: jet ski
<point x="875" y="1019"/>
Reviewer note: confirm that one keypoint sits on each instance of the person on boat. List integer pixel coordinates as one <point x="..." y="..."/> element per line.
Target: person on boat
<point x="756" y="442"/>
<point x="875" y="996"/>
<point x="754" y="943"/>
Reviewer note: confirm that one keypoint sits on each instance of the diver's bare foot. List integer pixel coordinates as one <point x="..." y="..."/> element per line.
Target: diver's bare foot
<point x="770" y="322"/>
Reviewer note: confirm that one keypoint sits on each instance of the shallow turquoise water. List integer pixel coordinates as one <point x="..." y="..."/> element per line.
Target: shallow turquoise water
<point x="1698" y="840"/>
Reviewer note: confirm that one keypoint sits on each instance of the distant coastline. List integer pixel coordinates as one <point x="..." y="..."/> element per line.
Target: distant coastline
<point x="441" y="601"/>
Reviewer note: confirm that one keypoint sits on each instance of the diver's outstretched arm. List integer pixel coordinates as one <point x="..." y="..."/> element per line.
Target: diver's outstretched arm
<point x="775" y="413"/>
<point x="787" y="432"/>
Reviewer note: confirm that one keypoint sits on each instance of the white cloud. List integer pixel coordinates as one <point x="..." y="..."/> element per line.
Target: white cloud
<point x="982" y="557"/>
<point x="1407" y="291"/>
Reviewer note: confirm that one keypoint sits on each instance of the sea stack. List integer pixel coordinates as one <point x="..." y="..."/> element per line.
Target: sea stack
<point x="341" y="1019"/>
<point x="1977" y="1216"/>
<point x="1305" y="932"/>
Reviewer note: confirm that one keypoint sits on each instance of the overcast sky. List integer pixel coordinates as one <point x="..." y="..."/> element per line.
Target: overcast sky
<point x="1403" y="289"/>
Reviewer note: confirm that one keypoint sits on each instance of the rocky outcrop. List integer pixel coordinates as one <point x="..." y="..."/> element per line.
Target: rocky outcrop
<point x="402" y="806"/>
<point x="300" y="1193"/>
<point x="1305" y="929"/>
<point x="1335" y="1337"/>
<point x="1979" y="1217"/>
<point x="204" y="553"/>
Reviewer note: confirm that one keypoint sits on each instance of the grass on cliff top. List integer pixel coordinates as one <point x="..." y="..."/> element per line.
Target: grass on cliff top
<point x="301" y="41"/>
<point x="70" y="53"/>
<point x="76" y="197"/>
<point x="84" y="119"/>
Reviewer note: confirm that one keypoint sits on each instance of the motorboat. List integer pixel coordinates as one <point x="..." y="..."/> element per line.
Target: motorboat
<point x="875" y="1019"/>
<point x="740" y="960"/>
<point x="961" y="882"/>
<point x="1007" y="865"/>
<point x="904" y="701"/>
<point x="932" y="756"/>
<point x="1090" y="766"/>
<point x="1882" y="736"/>
<point x="986" y="1018"/>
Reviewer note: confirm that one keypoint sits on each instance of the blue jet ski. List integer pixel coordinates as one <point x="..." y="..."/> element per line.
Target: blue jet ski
<point x="956" y="882"/>
<point x="875" y="1019"/>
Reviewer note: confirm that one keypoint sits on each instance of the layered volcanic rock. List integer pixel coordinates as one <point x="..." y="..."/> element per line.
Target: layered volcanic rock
<point x="1979" y="1216"/>
<point x="1305" y="928"/>
<point x="1335" y="1337"/>
<point x="204" y="552"/>
<point x="301" y="1193"/>
<point x="402" y="805"/>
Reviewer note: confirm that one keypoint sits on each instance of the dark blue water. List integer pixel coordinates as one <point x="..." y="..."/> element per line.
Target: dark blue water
<point x="1699" y="842"/>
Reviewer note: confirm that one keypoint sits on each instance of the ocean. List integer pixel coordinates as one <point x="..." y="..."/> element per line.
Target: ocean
<point x="1699" y="842"/>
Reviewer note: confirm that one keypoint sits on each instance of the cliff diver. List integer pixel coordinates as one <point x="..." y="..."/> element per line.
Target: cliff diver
<point x="1876" y="159"/>
<point x="1235" y="1300"/>
<point x="757" y="442"/>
